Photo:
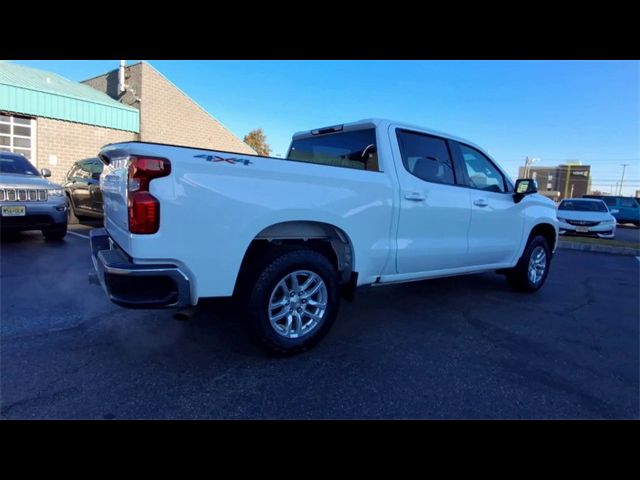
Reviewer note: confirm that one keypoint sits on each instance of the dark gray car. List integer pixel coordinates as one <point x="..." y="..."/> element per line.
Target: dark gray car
<point x="28" y="201"/>
<point x="82" y="187"/>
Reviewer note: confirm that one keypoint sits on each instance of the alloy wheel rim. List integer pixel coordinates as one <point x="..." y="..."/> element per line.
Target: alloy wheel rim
<point x="297" y="304"/>
<point x="537" y="264"/>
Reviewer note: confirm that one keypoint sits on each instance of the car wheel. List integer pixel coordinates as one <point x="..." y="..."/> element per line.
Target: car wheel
<point x="532" y="269"/>
<point x="294" y="302"/>
<point x="72" y="219"/>
<point x="57" y="232"/>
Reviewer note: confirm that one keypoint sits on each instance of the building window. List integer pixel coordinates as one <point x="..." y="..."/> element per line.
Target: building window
<point x="18" y="134"/>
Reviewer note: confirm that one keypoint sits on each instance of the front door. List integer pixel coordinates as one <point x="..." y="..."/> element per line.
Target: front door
<point x="497" y="222"/>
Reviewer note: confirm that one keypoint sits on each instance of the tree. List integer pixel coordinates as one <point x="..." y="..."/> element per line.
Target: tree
<point x="257" y="140"/>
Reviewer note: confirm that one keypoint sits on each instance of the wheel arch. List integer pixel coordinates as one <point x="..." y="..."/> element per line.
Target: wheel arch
<point x="327" y="238"/>
<point x="547" y="231"/>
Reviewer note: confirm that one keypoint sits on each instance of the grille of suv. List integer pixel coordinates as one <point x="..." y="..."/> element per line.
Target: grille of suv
<point x="23" y="195"/>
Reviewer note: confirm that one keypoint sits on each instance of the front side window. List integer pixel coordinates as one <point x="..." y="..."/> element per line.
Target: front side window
<point x="17" y="134"/>
<point x="426" y="157"/>
<point x="72" y="172"/>
<point x="482" y="173"/>
<point x="84" y="170"/>
<point x="610" y="201"/>
<point x="353" y="149"/>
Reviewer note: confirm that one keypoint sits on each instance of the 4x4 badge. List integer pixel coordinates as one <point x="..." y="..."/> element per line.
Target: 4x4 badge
<point x="231" y="160"/>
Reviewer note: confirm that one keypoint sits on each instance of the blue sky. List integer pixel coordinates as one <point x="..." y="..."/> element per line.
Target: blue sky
<point x="553" y="110"/>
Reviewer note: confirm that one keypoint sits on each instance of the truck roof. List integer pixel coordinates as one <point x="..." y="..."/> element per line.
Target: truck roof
<point x="382" y="122"/>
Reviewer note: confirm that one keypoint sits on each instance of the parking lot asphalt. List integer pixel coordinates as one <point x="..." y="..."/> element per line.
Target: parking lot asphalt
<point x="460" y="347"/>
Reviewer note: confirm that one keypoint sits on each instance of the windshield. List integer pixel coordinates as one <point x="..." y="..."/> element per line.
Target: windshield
<point x="12" y="163"/>
<point x="583" y="206"/>
<point x="354" y="149"/>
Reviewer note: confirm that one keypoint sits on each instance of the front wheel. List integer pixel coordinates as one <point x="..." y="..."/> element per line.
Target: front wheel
<point x="294" y="302"/>
<point x="532" y="269"/>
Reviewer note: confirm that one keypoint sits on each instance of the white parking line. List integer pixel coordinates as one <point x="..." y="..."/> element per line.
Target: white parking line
<point x="78" y="234"/>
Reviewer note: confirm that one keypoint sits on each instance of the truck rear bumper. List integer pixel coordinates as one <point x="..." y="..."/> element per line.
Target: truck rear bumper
<point x="134" y="285"/>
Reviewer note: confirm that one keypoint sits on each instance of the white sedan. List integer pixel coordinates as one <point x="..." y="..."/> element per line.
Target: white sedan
<point x="586" y="216"/>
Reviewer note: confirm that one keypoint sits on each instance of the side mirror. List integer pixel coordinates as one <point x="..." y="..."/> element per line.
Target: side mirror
<point x="524" y="186"/>
<point x="613" y="211"/>
<point x="45" y="172"/>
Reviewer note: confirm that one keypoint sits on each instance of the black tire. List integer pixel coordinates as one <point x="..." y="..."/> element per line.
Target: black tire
<point x="72" y="218"/>
<point x="518" y="276"/>
<point x="57" y="232"/>
<point x="266" y="280"/>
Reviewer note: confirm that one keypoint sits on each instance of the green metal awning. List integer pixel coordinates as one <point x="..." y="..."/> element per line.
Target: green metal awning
<point x="44" y="94"/>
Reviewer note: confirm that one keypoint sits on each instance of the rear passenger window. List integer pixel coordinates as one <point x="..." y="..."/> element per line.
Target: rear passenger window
<point x="628" y="203"/>
<point x="426" y="157"/>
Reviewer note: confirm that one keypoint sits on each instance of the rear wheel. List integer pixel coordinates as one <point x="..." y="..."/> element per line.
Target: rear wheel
<point x="294" y="302"/>
<point x="56" y="232"/>
<point x="532" y="269"/>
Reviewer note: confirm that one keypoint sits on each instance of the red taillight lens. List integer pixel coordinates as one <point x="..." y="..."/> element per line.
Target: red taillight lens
<point x="144" y="213"/>
<point x="144" y="208"/>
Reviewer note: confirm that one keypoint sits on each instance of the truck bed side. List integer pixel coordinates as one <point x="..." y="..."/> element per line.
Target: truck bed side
<point x="214" y="204"/>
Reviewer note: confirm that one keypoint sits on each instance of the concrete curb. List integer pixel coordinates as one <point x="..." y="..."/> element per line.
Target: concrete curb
<point x="588" y="247"/>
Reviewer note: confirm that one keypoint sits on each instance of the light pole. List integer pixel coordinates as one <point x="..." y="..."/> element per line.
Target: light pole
<point x="624" y="167"/>
<point x="528" y="161"/>
<point x="566" y="182"/>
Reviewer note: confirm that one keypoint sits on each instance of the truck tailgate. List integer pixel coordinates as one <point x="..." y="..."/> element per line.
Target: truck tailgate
<point x="113" y="182"/>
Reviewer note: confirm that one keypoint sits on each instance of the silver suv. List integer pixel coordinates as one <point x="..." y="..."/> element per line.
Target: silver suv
<point x="28" y="201"/>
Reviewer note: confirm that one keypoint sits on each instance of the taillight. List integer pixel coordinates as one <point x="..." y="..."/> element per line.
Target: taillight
<point x="144" y="208"/>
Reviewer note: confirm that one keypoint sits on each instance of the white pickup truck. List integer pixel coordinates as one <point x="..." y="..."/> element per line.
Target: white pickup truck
<point x="372" y="202"/>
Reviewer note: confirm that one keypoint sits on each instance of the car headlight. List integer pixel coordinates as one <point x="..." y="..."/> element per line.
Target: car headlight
<point x="609" y="222"/>
<point x="55" y="192"/>
<point x="560" y="219"/>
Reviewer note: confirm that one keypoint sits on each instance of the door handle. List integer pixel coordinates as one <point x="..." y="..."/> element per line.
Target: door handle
<point x="481" y="202"/>
<point x="415" y="196"/>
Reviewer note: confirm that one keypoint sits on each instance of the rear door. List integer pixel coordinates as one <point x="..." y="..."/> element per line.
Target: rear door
<point x="434" y="210"/>
<point x="628" y="210"/>
<point x="497" y="222"/>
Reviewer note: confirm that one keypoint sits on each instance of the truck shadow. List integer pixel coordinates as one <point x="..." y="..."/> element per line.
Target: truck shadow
<point x="426" y="305"/>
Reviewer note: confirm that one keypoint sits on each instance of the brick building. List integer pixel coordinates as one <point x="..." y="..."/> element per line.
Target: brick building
<point x="563" y="181"/>
<point x="54" y="121"/>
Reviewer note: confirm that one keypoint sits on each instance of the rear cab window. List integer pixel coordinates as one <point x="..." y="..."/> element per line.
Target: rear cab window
<point x="355" y="149"/>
